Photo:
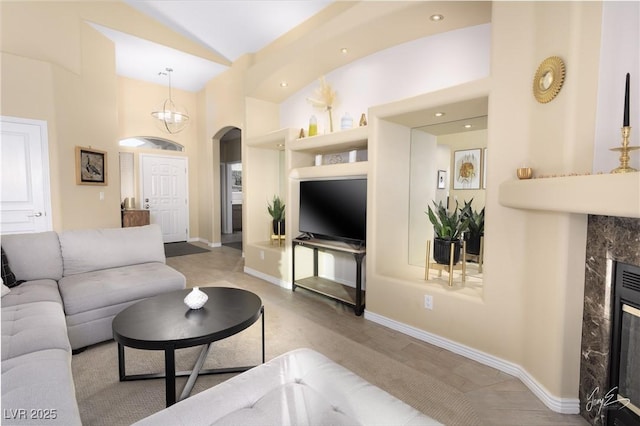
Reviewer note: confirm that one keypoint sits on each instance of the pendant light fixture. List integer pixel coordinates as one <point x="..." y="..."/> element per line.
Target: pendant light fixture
<point x="171" y="117"/>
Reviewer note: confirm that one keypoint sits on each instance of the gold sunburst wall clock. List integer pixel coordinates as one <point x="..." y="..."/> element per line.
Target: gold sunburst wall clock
<point x="548" y="79"/>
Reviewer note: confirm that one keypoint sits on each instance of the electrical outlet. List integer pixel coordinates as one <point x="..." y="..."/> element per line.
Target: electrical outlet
<point x="261" y="254"/>
<point x="428" y="302"/>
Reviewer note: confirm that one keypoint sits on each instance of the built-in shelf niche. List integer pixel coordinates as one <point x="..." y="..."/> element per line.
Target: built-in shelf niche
<point x="344" y="140"/>
<point x="305" y="150"/>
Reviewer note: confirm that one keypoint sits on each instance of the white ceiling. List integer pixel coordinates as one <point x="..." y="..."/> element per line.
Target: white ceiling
<point x="291" y="40"/>
<point x="230" y="28"/>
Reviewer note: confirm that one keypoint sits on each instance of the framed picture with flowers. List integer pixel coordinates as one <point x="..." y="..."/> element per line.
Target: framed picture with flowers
<point x="466" y="169"/>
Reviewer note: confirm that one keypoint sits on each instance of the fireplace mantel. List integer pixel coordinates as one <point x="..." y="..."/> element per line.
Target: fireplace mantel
<point x="604" y="194"/>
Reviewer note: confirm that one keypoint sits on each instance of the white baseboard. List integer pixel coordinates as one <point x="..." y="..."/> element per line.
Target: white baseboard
<point x="203" y="241"/>
<point x="559" y="405"/>
<point x="267" y="278"/>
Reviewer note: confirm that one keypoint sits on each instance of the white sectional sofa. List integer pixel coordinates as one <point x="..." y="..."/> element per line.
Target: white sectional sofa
<point x="301" y="387"/>
<point x="75" y="283"/>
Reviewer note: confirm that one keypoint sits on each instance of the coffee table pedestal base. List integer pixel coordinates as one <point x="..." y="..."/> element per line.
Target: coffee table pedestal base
<point x="170" y="373"/>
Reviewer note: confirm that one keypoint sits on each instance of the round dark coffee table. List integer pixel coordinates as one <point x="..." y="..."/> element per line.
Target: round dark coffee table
<point x="165" y="323"/>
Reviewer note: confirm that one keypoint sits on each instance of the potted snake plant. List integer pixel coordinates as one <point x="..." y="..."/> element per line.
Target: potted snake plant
<point x="476" y="227"/>
<point x="276" y="211"/>
<point x="448" y="228"/>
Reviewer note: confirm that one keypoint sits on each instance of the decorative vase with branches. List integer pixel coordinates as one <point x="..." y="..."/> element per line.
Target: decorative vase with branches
<point x="325" y="98"/>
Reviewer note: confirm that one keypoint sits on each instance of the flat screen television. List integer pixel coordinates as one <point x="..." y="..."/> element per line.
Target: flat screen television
<point x="334" y="209"/>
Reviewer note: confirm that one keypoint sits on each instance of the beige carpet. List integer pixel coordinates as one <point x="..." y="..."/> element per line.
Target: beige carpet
<point x="103" y="400"/>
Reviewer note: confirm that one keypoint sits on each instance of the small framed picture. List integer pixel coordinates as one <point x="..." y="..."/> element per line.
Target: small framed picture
<point x="91" y="166"/>
<point x="466" y="169"/>
<point x="442" y="179"/>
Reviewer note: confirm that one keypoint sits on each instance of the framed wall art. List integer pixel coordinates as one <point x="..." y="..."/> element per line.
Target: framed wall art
<point x="442" y="179"/>
<point x="466" y="169"/>
<point x="91" y="166"/>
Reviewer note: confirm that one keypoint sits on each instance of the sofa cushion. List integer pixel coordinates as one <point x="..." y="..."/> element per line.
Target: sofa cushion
<point x="32" y="327"/>
<point x="37" y="388"/>
<point x="33" y="291"/>
<point x="302" y="387"/>
<point x="5" y="290"/>
<point x="98" y="289"/>
<point x="34" y="256"/>
<point x="90" y="250"/>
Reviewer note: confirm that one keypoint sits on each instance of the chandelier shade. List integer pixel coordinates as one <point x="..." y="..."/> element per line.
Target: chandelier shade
<point x="170" y="117"/>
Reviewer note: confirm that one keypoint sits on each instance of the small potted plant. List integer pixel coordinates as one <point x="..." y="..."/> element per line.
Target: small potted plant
<point x="448" y="228"/>
<point x="276" y="210"/>
<point x="476" y="227"/>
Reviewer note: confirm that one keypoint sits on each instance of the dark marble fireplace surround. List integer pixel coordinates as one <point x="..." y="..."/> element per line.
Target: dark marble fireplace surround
<point x="608" y="239"/>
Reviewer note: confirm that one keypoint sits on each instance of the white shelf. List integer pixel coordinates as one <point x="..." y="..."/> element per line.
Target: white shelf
<point x="359" y="168"/>
<point x="340" y="141"/>
<point x="606" y="194"/>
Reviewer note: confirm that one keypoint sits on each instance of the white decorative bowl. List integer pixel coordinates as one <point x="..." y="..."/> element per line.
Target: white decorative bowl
<point x="196" y="298"/>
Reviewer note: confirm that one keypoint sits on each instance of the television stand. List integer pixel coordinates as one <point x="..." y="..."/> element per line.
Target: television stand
<point x="350" y="296"/>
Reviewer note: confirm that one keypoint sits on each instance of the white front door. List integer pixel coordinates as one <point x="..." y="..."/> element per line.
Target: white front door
<point x="164" y="194"/>
<point x="25" y="198"/>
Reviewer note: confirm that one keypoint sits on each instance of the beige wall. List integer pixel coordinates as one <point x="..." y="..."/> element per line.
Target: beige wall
<point x="136" y="100"/>
<point x="57" y="68"/>
<point x="548" y="248"/>
<point x="33" y="97"/>
<point x="74" y="90"/>
<point x="224" y="105"/>
<point x="530" y="310"/>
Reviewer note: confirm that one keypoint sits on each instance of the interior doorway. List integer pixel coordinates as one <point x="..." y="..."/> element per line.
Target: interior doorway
<point x="163" y="187"/>
<point x="231" y="188"/>
<point x="24" y="165"/>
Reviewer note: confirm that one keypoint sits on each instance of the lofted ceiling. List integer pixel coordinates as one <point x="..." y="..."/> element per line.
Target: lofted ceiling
<point x="285" y="41"/>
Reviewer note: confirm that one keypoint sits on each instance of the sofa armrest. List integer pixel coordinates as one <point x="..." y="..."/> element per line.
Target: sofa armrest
<point x="301" y="387"/>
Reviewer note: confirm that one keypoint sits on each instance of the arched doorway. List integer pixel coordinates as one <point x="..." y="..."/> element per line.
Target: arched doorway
<point x="231" y="188"/>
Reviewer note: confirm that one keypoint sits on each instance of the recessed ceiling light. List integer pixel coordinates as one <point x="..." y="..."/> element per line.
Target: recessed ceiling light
<point x="438" y="114"/>
<point x="283" y="84"/>
<point x="468" y="126"/>
<point x="436" y="18"/>
<point x="344" y="50"/>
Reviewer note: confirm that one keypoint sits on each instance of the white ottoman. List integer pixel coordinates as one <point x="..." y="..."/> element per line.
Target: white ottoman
<point x="301" y="387"/>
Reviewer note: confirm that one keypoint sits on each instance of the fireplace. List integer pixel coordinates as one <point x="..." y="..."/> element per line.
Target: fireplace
<point x="625" y="346"/>
<point x="613" y="252"/>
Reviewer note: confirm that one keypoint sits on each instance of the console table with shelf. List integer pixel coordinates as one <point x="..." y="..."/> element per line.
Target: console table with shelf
<point x="354" y="297"/>
<point x="281" y="153"/>
<point x="135" y="218"/>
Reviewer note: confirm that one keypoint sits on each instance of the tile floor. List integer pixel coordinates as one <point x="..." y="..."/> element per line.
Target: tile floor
<point x="498" y="398"/>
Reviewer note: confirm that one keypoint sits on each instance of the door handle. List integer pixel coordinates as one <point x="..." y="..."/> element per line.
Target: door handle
<point x="35" y="215"/>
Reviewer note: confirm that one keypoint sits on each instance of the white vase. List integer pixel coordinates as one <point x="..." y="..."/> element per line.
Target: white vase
<point x="196" y="298"/>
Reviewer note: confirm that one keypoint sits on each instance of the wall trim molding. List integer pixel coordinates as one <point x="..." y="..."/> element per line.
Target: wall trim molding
<point x="204" y="241"/>
<point x="559" y="405"/>
<point x="268" y="278"/>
